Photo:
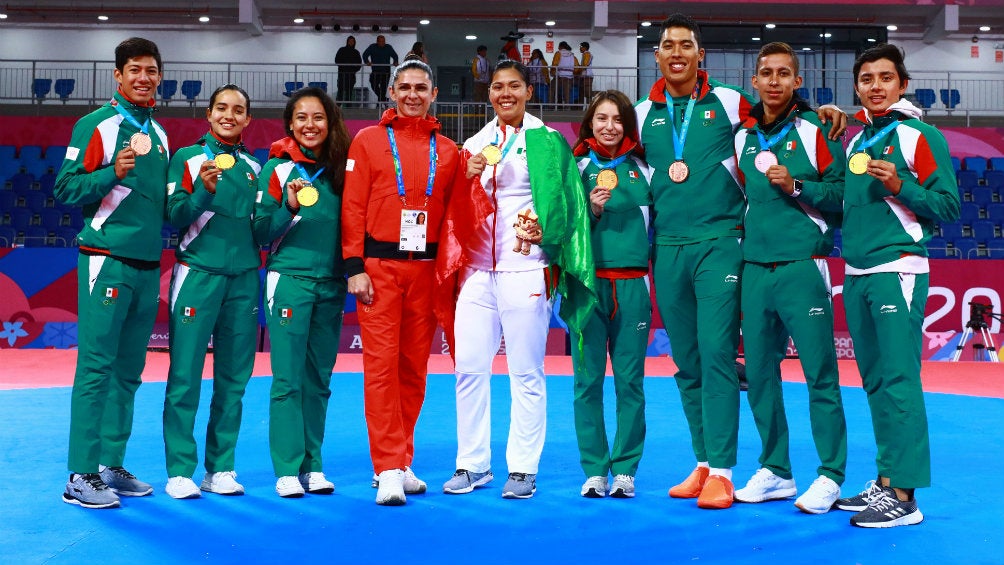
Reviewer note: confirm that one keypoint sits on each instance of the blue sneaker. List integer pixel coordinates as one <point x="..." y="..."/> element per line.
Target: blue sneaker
<point x="89" y="491"/>
<point x="520" y="485"/>
<point x="887" y="511"/>
<point x="122" y="482"/>
<point x="464" y="481"/>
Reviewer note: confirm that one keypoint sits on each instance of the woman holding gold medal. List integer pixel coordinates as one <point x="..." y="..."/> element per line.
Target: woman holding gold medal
<point x="214" y="292"/>
<point x="298" y="214"/>
<point x="518" y="233"/>
<point x="617" y="180"/>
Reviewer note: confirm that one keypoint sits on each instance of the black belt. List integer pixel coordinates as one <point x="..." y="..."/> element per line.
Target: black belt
<point x="389" y="250"/>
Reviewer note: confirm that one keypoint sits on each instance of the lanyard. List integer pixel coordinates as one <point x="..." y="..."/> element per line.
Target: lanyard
<point x="875" y="138"/>
<point x="679" y="138"/>
<point x="611" y="164"/>
<point x="305" y="176"/>
<point x="433" y="159"/>
<point x="766" y="144"/>
<point x="508" y="145"/>
<point x="129" y="118"/>
<point x="209" y="152"/>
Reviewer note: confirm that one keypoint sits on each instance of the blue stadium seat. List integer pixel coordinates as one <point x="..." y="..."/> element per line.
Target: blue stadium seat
<point x="191" y="89"/>
<point x="7" y="236"/>
<point x="40" y="88"/>
<point x="950" y="98"/>
<point x="35" y="166"/>
<point x="994" y="179"/>
<point x="77" y="218"/>
<point x="969" y="213"/>
<point x="54" y="156"/>
<point x="824" y="95"/>
<point x="997" y="163"/>
<point x="966" y="246"/>
<point x="803" y="93"/>
<point x="9" y="168"/>
<point x="983" y="230"/>
<point x="968" y="179"/>
<point x="51" y="218"/>
<point x="66" y="236"/>
<point x="319" y="84"/>
<point x="21" y="182"/>
<point x="30" y="152"/>
<point x="47" y="183"/>
<point x="8" y="199"/>
<point x="982" y="195"/>
<point x="925" y="97"/>
<point x="20" y="218"/>
<point x="166" y="89"/>
<point x="64" y="88"/>
<point x="956" y="163"/>
<point x="951" y="230"/>
<point x="937" y="248"/>
<point x="292" y="86"/>
<point x="33" y="200"/>
<point x="978" y="164"/>
<point x="7" y="152"/>
<point x="995" y="212"/>
<point x="35" y="236"/>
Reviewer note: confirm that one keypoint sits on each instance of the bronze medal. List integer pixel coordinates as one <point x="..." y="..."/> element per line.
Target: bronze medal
<point x="307" y="196"/>
<point x="764" y="160"/>
<point x="140" y="143"/>
<point x="224" y="161"/>
<point x="858" y="163"/>
<point x="492" y="153"/>
<point x="679" y="171"/>
<point x="607" y="179"/>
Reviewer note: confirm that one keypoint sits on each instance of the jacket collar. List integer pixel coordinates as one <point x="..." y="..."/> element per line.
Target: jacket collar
<point x="658" y="92"/>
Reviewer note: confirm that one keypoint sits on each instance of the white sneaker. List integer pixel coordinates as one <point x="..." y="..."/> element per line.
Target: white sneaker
<point x="289" y="487"/>
<point x="182" y="487"/>
<point x="765" y="485"/>
<point x="315" y="482"/>
<point x="623" y="487"/>
<point x="224" y="482"/>
<point x="391" y="490"/>
<point x="413" y="484"/>
<point x="594" y="487"/>
<point x="820" y="496"/>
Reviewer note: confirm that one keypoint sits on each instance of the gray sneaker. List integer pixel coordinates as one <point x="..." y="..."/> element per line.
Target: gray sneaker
<point x="89" y="491"/>
<point x="122" y="482"/>
<point x="520" y="485"/>
<point x="623" y="487"/>
<point x="464" y="481"/>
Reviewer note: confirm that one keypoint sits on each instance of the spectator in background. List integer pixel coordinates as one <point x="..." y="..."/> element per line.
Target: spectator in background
<point x="584" y="73"/>
<point x="482" y="71"/>
<point x="417" y="53"/>
<point x="381" y="57"/>
<point x="564" y="64"/>
<point x="349" y="62"/>
<point x="509" y="50"/>
<point x="540" y="76"/>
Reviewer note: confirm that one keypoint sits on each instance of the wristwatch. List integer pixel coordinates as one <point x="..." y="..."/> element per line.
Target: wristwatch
<point x="798" y="189"/>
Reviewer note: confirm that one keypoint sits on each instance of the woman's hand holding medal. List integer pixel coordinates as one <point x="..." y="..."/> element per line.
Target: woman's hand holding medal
<point x="292" y="188"/>
<point x="210" y="175"/>
<point x="598" y="198"/>
<point x="476" y="165"/>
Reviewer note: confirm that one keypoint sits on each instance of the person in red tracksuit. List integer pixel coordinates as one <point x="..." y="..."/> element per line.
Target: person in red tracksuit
<point x="398" y="179"/>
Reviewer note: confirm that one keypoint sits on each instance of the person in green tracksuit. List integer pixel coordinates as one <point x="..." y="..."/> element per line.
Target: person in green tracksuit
<point x="617" y="181"/>
<point x="211" y="189"/>
<point x="116" y="169"/>
<point x="794" y="180"/>
<point x="899" y="182"/>
<point x="298" y="214"/>
<point x="688" y="123"/>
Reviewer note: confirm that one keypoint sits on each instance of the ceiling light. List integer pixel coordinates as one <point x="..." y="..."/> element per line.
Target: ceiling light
<point x="807" y="49"/>
<point x="871" y="40"/>
<point x="298" y="20"/>
<point x="646" y="24"/>
<point x="424" y="22"/>
<point x="984" y="28"/>
<point x="640" y="37"/>
<point x="471" y="37"/>
<point x="891" y="28"/>
<point x="3" y="16"/>
<point x="550" y="23"/>
<point x="103" y="18"/>
<point x="770" y="26"/>
<point x="204" y="19"/>
<point x="755" y="38"/>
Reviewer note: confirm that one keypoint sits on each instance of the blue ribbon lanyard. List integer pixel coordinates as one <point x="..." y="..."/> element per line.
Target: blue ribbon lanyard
<point x="143" y="128"/>
<point x="508" y="145"/>
<point x="209" y="152"/>
<point x="877" y="137"/>
<point x="680" y="138"/>
<point x="305" y="176"/>
<point x="767" y="144"/>
<point x="433" y="160"/>
<point x="611" y="164"/>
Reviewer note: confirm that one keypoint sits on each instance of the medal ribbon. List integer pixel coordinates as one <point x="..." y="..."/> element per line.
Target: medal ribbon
<point x="209" y="152"/>
<point x="508" y="145"/>
<point x="767" y="144"/>
<point x="680" y="138"/>
<point x="433" y="160"/>
<point x="305" y="176"/>
<point x="129" y="118"/>
<point x="875" y="138"/>
<point x="611" y="164"/>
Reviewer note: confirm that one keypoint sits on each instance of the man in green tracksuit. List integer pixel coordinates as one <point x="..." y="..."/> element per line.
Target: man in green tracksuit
<point x="794" y="180"/>
<point x="214" y="292"/>
<point x="116" y="169"/>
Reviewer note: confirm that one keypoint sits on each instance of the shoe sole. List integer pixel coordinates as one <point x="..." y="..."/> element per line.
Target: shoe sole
<point x="911" y="519"/>
<point x="470" y="488"/>
<point x="188" y="496"/>
<point x="782" y="494"/>
<point x="621" y="493"/>
<point x="206" y="488"/>
<point x="511" y="495"/>
<point x="290" y="494"/>
<point x="593" y="493"/>
<point x="76" y="501"/>
<point x="811" y="510"/>
<point x="849" y="508"/>
<point x="132" y="492"/>
<point x="393" y="501"/>
<point x="322" y="490"/>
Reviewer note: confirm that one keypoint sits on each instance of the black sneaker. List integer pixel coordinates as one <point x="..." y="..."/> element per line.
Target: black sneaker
<point x="860" y="501"/>
<point x="887" y="511"/>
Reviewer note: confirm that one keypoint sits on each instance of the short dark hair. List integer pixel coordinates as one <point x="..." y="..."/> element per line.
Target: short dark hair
<point x="883" y="51"/>
<point x="682" y="20"/>
<point x="628" y="118"/>
<point x="482" y="48"/>
<point x="585" y="44"/>
<point x="777" y="48"/>
<point x="218" y="91"/>
<point x="564" y="45"/>
<point x="334" y="152"/>
<point x="133" y="48"/>
<point x="516" y="66"/>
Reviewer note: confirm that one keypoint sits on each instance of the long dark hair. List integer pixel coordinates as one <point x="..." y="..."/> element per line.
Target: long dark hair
<point x="624" y="106"/>
<point x="335" y="149"/>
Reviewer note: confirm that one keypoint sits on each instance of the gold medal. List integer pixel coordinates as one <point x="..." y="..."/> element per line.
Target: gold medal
<point x="858" y="163"/>
<point x="492" y="153"/>
<point x="307" y="196"/>
<point x="607" y="179"/>
<point x="224" y="161"/>
<point x="679" y="171"/>
<point x="140" y="143"/>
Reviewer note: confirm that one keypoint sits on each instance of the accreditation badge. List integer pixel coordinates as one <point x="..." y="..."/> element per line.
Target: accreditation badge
<point x="414" y="228"/>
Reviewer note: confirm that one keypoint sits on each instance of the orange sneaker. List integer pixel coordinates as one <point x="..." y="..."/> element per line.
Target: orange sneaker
<point x="717" y="493"/>
<point x="691" y="486"/>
